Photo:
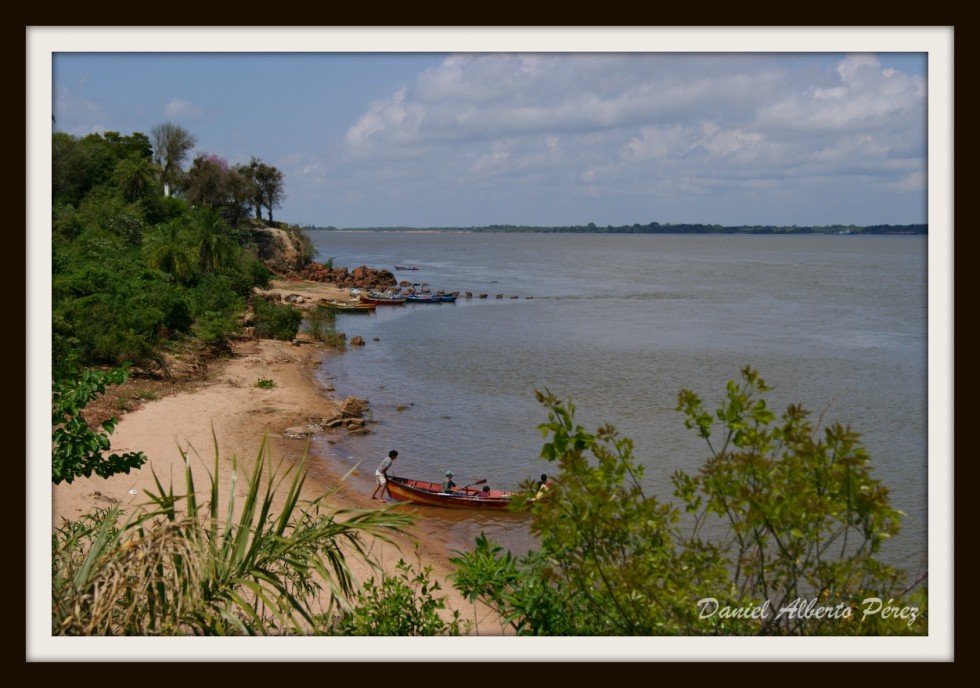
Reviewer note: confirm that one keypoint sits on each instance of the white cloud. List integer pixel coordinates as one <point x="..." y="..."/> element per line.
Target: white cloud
<point x="182" y="109"/>
<point x="718" y="142"/>
<point x="598" y="125"/>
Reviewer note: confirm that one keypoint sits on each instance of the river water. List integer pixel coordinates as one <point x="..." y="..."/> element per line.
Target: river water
<point x="617" y="324"/>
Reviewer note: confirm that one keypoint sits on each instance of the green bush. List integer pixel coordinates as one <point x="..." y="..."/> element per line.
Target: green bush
<point x="78" y="449"/>
<point x="402" y="605"/>
<point x="276" y="321"/>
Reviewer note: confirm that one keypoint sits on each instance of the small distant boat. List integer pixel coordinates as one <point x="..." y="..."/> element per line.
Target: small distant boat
<point x="377" y="299"/>
<point x="348" y="306"/>
<point x="469" y="497"/>
<point x="405" y="267"/>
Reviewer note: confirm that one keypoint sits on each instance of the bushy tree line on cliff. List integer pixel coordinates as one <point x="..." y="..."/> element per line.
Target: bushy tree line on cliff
<point x="145" y="254"/>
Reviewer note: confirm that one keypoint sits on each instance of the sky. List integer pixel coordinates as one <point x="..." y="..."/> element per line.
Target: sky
<point x="406" y="129"/>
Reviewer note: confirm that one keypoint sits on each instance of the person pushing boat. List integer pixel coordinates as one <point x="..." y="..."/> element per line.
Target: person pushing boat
<point x="381" y="475"/>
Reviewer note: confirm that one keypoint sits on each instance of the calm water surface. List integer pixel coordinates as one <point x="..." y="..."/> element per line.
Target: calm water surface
<point x="618" y="324"/>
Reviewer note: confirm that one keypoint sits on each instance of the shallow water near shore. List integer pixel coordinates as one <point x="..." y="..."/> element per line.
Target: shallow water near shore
<point x="619" y="324"/>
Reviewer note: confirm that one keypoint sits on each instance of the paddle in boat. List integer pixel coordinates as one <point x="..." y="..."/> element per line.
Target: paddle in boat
<point x="468" y="497"/>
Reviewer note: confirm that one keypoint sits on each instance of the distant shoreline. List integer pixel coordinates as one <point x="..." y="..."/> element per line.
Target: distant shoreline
<point x="654" y="228"/>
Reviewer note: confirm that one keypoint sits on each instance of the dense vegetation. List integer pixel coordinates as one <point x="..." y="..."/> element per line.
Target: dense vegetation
<point x="148" y="258"/>
<point x="658" y="228"/>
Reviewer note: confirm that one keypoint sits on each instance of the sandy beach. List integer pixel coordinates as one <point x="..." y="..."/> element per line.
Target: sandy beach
<point x="241" y="416"/>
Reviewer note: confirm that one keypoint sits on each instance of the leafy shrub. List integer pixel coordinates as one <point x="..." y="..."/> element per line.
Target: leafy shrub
<point x="213" y="327"/>
<point x="276" y="321"/>
<point x="265" y="383"/>
<point x="402" y="605"/>
<point x="77" y="448"/>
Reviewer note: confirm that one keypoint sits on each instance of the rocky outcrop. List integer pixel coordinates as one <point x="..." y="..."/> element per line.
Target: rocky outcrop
<point x="352" y="407"/>
<point x="279" y="249"/>
<point x="361" y="277"/>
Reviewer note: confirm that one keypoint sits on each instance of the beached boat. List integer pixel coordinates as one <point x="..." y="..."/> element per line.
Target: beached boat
<point x="469" y="497"/>
<point x="382" y="299"/>
<point x="348" y="306"/>
<point x="405" y="267"/>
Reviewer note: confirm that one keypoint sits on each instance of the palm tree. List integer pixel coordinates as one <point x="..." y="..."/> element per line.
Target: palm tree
<point x="167" y="248"/>
<point x="215" y="247"/>
<point x="136" y="177"/>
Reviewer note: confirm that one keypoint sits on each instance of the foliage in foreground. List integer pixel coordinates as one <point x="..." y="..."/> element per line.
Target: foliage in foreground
<point x="779" y="535"/>
<point x="78" y="450"/>
<point x="402" y="605"/>
<point x="209" y="569"/>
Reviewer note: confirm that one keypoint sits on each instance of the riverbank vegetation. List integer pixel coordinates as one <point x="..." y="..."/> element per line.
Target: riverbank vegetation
<point x="146" y="255"/>
<point x="150" y="264"/>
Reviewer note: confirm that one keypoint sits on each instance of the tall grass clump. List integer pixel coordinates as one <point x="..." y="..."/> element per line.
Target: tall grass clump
<point x="177" y="566"/>
<point x="321" y="325"/>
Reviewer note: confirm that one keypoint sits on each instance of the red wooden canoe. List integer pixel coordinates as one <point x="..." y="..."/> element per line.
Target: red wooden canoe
<point x="422" y="492"/>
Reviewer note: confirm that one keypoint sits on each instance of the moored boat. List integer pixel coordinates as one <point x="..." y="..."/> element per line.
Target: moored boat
<point x="382" y="299"/>
<point x="428" y="297"/>
<point x="348" y="306"/>
<point x="469" y="497"/>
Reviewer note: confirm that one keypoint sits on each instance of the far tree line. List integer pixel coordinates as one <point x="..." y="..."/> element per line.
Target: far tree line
<point x="661" y="228"/>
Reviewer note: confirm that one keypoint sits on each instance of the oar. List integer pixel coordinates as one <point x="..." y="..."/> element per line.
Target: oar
<point x="478" y="482"/>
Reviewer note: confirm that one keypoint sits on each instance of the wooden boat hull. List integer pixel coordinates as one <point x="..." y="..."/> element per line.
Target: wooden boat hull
<point x="422" y="492"/>
<point x="431" y="298"/>
<point x="349" y="307"/>
<point x="382" y="300"/>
